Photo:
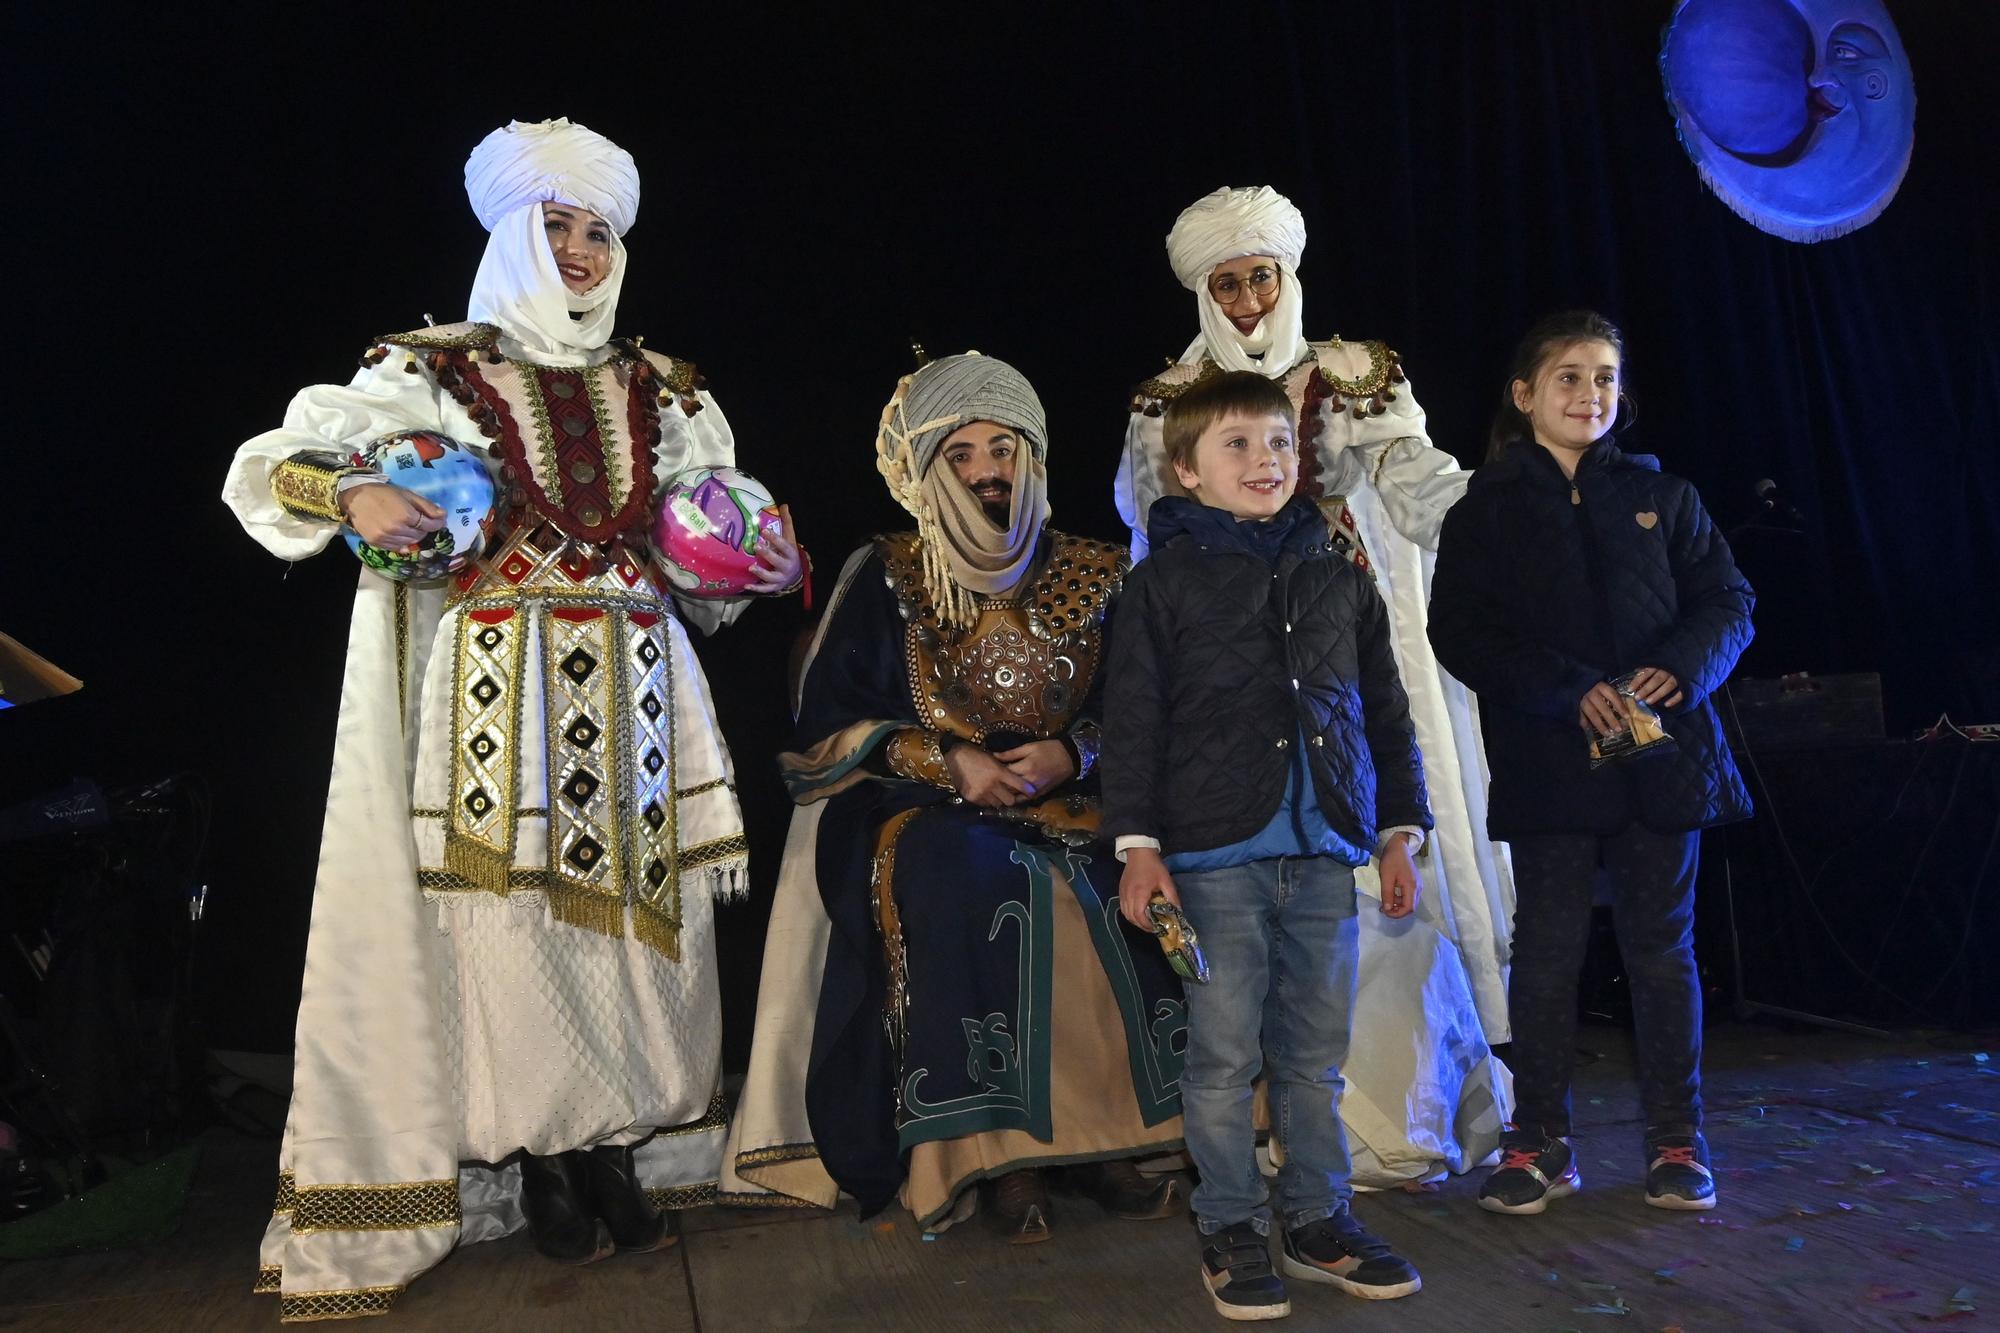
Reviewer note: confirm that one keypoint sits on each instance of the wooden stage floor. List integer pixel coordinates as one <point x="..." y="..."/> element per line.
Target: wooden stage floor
<point x="1860" y="1183"/>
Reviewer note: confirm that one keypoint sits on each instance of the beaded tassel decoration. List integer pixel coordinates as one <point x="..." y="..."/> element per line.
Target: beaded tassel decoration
<point x="896" y="460"/>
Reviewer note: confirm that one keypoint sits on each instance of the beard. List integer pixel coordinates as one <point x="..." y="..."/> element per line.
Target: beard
<point x="997" y="504"/>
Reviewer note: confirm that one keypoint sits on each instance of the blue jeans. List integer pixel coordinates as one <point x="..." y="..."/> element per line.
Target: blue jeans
<point x="1281" y="940"/>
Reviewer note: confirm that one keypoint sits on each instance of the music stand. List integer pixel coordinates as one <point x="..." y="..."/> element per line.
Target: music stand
<point x="27" y="677"/>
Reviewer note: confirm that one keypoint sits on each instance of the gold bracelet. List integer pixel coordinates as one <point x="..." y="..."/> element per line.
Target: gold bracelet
<point x="307" y="485"/>
<point x="916" y="754"/>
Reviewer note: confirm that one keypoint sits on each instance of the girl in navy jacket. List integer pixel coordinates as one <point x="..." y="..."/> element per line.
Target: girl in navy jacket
<point x="1570" y="564"/>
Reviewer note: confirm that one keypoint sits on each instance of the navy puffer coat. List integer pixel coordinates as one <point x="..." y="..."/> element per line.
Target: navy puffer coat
<point x="1543" y="589"/>
<point x="1237" y="642"/>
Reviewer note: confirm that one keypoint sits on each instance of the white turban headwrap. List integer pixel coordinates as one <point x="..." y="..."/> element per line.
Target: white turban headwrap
<point x="551" y="160"/>
<point x="510" y="175"/>
<point x="1226" y="225"/>
<point x="965" y="556"/>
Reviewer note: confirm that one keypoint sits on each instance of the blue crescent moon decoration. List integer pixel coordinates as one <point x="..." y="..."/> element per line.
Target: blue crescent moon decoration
<point x="1799" y="114"/>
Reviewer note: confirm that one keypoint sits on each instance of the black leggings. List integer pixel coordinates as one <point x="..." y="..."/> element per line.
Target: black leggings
<point x="1652" y="904"/>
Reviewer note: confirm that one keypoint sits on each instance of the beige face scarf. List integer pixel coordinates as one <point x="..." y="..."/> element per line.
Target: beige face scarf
<point x="965" y="555"/>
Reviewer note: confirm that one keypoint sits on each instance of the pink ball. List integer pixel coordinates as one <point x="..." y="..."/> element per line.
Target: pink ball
<point x="708" y="528"/>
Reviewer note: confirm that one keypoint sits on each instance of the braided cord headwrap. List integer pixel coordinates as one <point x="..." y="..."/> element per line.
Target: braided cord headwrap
<point x="964" y="554"/>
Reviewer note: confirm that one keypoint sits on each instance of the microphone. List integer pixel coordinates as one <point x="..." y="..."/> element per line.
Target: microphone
<point x="1775" y="505"/>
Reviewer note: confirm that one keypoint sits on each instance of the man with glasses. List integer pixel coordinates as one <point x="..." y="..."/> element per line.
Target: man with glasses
<point x="1413" y="1109"/>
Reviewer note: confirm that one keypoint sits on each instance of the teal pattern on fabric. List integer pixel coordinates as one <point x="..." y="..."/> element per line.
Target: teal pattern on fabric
<point x="800" y="781"/>
<point x="1155" y="1041"/>
<point x="1007" y="1055"/>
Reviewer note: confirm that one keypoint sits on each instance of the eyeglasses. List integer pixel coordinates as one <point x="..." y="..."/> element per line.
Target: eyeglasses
<point x="1228" y="288"/>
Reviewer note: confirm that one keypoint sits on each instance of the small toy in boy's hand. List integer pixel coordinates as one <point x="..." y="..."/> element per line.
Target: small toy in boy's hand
<point x="1178" y="939"/>
<point x="1642" y="733"/>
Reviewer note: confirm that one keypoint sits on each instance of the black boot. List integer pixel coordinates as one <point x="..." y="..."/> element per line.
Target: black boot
<point x="617" y="1197"/>
<point x="560" y="1218"/>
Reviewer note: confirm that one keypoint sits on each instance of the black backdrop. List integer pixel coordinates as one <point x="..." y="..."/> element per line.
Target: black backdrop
<point x="210" y="212"/>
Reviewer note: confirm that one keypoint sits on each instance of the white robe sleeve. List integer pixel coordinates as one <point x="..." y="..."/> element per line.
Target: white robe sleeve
<point x="1142" y="477"/>
<point x="380" y="400"/>
<point x="701" y="440"/>
<point x="1393" y="454"/>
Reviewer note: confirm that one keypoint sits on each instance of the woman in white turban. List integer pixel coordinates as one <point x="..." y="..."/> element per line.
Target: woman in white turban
<point x="1423" y="1094"/>
<point x="509" y="1006"/>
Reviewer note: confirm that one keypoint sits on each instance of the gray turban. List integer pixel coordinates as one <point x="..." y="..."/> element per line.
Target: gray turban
<point x="956" y="390"/>
<point x="965" y="554"/>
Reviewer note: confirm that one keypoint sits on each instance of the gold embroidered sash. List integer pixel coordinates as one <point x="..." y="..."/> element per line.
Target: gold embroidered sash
<point x="607" y="670"/>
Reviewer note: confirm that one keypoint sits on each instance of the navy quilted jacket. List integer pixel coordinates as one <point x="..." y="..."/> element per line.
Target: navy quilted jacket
<point x="1225" y="655"/>
<point x="1541" y="591"/>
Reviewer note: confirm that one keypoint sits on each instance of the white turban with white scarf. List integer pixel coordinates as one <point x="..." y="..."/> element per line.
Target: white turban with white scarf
<point x="1226" y="225"/>
<point x="510" y="175"/>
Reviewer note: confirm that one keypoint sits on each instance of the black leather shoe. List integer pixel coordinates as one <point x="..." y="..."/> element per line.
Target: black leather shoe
<point x="1123" y="1190"/>
<point x="616" y="1196"/>
<point x="1017" y="1207"/>
<point x="560" y="1218"/>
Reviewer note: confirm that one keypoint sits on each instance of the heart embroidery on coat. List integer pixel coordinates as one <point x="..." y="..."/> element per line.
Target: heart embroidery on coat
<point x="1647" y="518"/>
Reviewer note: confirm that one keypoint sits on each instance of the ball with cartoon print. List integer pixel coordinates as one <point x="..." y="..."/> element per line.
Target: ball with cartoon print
<point x="708" y="527"/>
<point x="451" y="476"/>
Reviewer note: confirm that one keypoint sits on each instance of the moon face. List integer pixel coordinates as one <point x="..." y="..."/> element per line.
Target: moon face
<point x="1800" y="114"/>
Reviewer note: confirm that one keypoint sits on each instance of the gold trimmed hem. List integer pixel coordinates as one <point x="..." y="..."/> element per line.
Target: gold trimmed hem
<point x="434" y="880"/>
<point x="782" y="1152"/>
<point x="679" y="1198"/>
<point x="731" y="1199"/>
<point x="411" y="1206"/>
<point x="520" y="812"/>
<point x="268" y="1279"/>
<point x="305" y="1307"/>
<point x="705" y="854"/>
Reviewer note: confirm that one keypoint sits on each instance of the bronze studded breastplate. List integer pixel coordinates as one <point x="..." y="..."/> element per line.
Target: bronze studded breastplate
<point x="1025" y="665"/>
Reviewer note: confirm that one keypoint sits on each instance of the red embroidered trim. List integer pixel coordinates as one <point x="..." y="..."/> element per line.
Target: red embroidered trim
<point x="1311" y="426"/>
<point x="460" y="376"/>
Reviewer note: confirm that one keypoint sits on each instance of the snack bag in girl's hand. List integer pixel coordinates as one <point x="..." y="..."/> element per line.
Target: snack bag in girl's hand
<point x="1643" y="733"/>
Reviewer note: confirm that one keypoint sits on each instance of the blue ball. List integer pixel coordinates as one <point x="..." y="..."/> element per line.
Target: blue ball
<point x="451" y="476"/>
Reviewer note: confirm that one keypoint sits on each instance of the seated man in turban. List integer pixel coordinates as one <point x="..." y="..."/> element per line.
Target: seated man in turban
<point x="1413" y="1107"/>
<point x="949" y="994"/>
<point x="510" y="979"/>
